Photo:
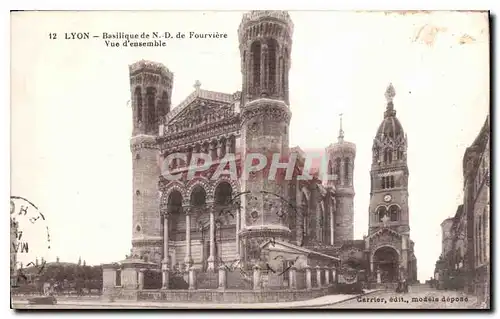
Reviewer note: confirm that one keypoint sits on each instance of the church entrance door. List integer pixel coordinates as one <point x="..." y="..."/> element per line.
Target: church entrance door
<point x="386" y="260"/>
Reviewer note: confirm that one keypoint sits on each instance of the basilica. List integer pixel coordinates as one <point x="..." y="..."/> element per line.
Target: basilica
<point x="202" y="224"/>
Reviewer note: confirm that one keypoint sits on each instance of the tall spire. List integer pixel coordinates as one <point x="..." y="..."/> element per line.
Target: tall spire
<point x="341" y="131"/>
<point x="390" y="93"/>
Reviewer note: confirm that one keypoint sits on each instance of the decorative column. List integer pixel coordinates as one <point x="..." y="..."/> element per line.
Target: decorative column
<point x="404" y="255"/>
<point x="166" y="259"/>
<point x="222" y="277"/>
<point x="141" y="278"/>
<point x="188" y="260"/>
<point x="263" y="70"/>
<point x="213" y="150"/>
<point x="334" y="275"/>
<point x="293" y="278"/>
<point x="318" y="276"/>
<point x="256" y="277"/>
<point x="238" y="227"/>
<point x="192" y="278"/>
<point x="342" y="171"/>
<point x="332" y="223"/>
<point x="308" y="278"/>
<point x="229" y="142"/>
<point x="327" y="276"/>
<point x="211" y="257"/>
<point x="165" y="276"/>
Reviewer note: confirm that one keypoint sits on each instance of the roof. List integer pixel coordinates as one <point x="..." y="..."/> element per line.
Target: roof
<point x="199" y="93"/>
<point x="390" y="125"/>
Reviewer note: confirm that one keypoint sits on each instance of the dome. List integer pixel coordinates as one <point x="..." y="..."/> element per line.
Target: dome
<point x="390" y="126"/>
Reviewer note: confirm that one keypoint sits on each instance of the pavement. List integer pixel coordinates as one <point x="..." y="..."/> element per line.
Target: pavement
<point x="92" y="304"/>
<point x="418" y="297"/>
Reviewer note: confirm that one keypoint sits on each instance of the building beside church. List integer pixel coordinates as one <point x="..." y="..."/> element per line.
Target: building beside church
<point x="465" y="261"/>
<point x="280" y="234"/>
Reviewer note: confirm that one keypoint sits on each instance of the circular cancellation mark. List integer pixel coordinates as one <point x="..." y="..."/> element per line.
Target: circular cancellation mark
<point x="29" y="238"/>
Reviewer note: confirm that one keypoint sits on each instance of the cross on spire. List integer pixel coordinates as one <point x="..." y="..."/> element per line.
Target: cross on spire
<point x="197" y="85"/>
<point x="341" y="131"/>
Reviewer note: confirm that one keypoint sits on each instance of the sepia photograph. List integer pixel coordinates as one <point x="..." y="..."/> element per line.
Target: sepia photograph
<point x="262" y="159"/>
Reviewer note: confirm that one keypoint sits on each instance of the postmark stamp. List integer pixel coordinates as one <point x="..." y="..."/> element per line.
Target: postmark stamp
<point x="29" y="239"/>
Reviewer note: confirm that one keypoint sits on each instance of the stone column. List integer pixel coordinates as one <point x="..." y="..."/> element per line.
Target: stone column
<point x="334" y="275"/>
<point x="256" y="277"/>
<point x="165" y="275"/>
<point x="220" y="149"/>
<point x="213" y="150"/>
<point x="263" y="69"/>
<point x="188" y="260"/>
<point x="192" y="278"/>
<point x="332" y="225"/>
<point x="318" y="276"/>
<point x="222" y="277"/>
<point x="293" y="277"/>
<point x="238" y="227"/>
<point x="342" y="171"/>
<point x="308" y="278"/>
<point x="211" y="257"/>
<point x="229" y="142"/>
<point x="166" y="258"/>
<point x="327" y="276"/>
<point x="141" y="278"/>
<point x="404" y="255"/>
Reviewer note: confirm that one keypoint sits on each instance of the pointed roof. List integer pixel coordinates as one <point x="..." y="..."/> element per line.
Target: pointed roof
<point x="199" y="93"/>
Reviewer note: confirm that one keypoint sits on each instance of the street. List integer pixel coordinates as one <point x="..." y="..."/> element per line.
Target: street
<point x="418" y="297"/>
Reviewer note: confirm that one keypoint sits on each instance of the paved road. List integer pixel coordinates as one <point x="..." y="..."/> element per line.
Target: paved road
<point x="418" y="297"/>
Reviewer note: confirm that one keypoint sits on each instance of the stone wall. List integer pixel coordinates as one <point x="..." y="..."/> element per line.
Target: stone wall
<point x="232" y="296"/>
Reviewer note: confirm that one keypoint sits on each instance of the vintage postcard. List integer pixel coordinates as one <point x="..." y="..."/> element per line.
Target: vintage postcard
<point x="250" y="160"/>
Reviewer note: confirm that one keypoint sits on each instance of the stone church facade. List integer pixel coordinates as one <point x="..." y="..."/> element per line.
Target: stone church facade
<point x="201" y="223"/>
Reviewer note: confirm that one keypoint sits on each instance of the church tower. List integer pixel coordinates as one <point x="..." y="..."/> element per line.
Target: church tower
<point x="151" y="91"/>
<point x="389" y="173"/>
<point x="341" y="156"/>
<point x="265" y="46"/>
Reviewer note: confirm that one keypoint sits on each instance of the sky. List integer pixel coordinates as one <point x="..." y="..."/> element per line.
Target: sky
<point x="71" y="122"/>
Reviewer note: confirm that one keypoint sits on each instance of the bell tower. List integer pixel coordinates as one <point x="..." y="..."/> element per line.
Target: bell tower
<point x="341" y="156"/>
<point x="389" y="173"/>
<point x="265" y="46"/>
<point x="151" y="91"/>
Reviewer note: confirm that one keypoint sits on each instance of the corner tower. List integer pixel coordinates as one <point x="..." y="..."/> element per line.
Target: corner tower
<point x="341" y="156"/>
<point x="265" y="46"/>
<point x="151" y="91"/>
<point x="389" y="173"/>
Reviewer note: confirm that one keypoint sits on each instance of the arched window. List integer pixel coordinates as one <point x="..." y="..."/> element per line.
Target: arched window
<point x="392" y="181"/>
<point x="347" y="164"/>
<point x="381" y="212"/>
<point x="284" y="74"/>
<point x="256" y="49"/>
<point x="150" y="104"/>
<point x="272" y="50"/>
<point x="337" y="169"/>
<point x="394" y="212"/>
<point x="164" y="107"/>
<point x="138" y="101"/>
